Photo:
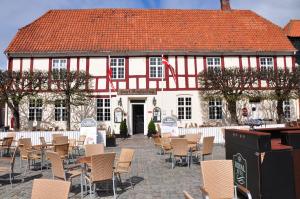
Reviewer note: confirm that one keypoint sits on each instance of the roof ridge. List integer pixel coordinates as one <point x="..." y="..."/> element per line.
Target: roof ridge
<point x="146" y="9"/>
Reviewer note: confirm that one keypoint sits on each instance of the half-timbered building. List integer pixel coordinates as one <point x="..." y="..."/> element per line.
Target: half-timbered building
<point x="131" y="42"/>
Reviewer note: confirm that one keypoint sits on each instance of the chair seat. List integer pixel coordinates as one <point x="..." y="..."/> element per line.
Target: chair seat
<point x="73" y="173"/>
<point x="121" y="170"/>
<point x="4" y="169"/>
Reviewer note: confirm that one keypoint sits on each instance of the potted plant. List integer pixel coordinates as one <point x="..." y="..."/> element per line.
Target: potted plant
<point x="110" y="139"/>
<point x="151" y="129"/>
<point x="123" y="129"/>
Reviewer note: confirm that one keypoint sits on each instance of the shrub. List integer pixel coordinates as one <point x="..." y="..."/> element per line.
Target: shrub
<point x="123" y="129"/>
<point x="151" y="128"/>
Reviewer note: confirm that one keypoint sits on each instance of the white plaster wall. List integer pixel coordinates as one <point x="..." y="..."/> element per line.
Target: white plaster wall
<point x="152" y="84"/>
<point x="181" y="82"/>
<point x="142" y="82"/>
<point x="200" y="64"/>
<point x="253" y="62"/>
<point x="26" y="64"/>
<point x="245" y="62"/>
<point x="132" y="83"/>
<point x="171" y="60"/>
<point x="191" y="65"/>
<point x="98" y="66"/>
<point x="101" y="83"/>
<point x="16" y="64"/>
<point x="82" y="64"/>
<point x="289" y="62"/>
<point x="172" y="83"/>
<point x="122" y="85"/>
<point x="41" y="64"/>
<point x="73" y="64"/>
<point x="162" y="84"/>
<point x="280" y="62"/>
<point x="192" y="82"/>
<point x="180" y="62"/>
<point x="137" y="66"/>
<point x="231" y="61"/>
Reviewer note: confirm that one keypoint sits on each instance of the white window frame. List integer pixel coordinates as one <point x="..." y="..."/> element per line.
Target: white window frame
<point x="286" y="109"/>
<point x="186" y="107"/>
<point x="103" y="109"/>
<point x="59" y="67"/>
<point x="117" y="65"/>
<point x="266" y="63"/>
<point x="60" y="110"/>
<point x="35" y="108"/>
<point x="216" y="105"/>
<point x="213" y="63"/>
<point x="155" y="66"/>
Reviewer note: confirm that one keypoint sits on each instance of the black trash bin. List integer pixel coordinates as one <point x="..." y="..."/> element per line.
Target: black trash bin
<point x="261" y="164"/>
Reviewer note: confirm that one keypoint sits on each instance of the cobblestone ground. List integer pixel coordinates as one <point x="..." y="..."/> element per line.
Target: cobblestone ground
<point x="152" y="176"/>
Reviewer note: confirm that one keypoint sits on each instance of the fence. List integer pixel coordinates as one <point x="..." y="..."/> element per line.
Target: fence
<point x="217" y="131"/>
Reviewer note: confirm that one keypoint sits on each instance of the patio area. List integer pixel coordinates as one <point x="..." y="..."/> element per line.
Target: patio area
<point x="152" y="175"/>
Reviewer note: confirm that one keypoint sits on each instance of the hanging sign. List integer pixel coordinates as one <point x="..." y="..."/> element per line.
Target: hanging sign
<point x="118" y="115"/>
<point x="156" y="114"/>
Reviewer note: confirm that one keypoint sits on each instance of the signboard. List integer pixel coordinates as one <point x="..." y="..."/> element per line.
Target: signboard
<point x="118" y="115"/>
<point x="156" y="114"/>
<point x="137" y="92"/>
<point x="169" y="125"/>
<point x="240" y="170"/>
<point x="88" y="127"/>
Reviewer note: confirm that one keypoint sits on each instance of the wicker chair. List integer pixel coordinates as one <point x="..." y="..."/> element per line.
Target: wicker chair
<point x="207" y="148"/>
<point x="62" y="150"/>
<point x="44" y="143"/>
<point x="193" y="140"/>
<point x="123" y="165"/>
<point x="218" y="180"/>
<point x="6" y="144"/>
<point x="10" y="167"/>
<point x="58" y="170"/>
<point x="179" y="149"/>
<point x="80" y="143"/>
<point x="60" y="140"/>
<point x="94" y="149"/>
<point x="101" y="170"/>
<point x="166" y="145"/>
<point x="50" y="189"/>
<point x="29" y="153"/>
<point x="166" y="135"/>
<point x="157" y="143"/>
<point x="187" y="195"/>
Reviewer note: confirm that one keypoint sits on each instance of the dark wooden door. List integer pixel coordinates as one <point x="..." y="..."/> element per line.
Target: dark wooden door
<point x="138" y="118"/>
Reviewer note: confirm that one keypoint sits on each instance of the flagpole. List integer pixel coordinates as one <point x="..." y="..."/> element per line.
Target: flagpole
<point x="162" y="87"/>
<point x="110" y="102"/>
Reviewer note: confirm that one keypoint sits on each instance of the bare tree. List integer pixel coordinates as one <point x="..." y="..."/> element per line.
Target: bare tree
<point x="282" y="84"/>
<point x="230" y="83"/>
<point x="15" y="86"/>
<point x="72" y="88"/>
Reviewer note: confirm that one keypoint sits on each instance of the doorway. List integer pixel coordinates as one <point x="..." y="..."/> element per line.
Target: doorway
<point x="137" y="118"/>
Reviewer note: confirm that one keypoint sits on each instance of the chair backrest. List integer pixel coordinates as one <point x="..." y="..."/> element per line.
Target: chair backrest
<point x="81" y="139"/>
<point x="187" y="195"/>
<point x="55" y="135"/>
<point x="126" y="158"/>
<point x="62" y="149"/>
<point x="195" y="125"/>
<point x="218" y="178"/>
<point x="193" y="137"/>
<point x="186" y="125"/>
<point x="11" y="134"/>
<point x="166" y="135"/>
<point x="180" y="146"/>
<point x="60" y="140"/>
<point x="50" y="189"/>
<point x="158" y="129"/>
<point x="25" y="142"/>
<point x="7" y="141"/>
<point x="102" y="166"/>
<point x="157" y="140"/>
<point x="43" y="141"/>
<point x="94" y="149"/>
<point x="208" y="145"/>
<point x="13" y="160"/>
<point x="56" y="165"/>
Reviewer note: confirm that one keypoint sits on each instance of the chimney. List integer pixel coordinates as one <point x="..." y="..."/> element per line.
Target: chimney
<point x="225" y="5"/>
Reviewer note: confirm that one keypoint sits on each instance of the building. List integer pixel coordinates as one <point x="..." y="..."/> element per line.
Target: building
<point x="292" y="30"/>
<point x="135" y="39"/>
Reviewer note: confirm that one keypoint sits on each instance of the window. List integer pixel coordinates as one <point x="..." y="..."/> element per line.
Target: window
<point x="118" y="68"/>
<point x="156" y="67"/>
<point x="184" y="108"/>
<point x="60" y="112"/>
<point x="59" y="69"/>
<point x="35" y="109"/>
<point x="215" y="109"/>
<point x="287" y="109"/>
<point x="213" y="64"/>
<point x="103" y="109"/>
<point x="266" y="63"/>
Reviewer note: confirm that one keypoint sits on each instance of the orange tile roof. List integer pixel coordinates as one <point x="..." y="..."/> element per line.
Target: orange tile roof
<point x="136" y="30"/>
<point x="292" y="29"/>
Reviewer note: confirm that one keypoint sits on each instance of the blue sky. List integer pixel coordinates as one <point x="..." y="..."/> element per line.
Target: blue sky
<point x="15" y="14"/>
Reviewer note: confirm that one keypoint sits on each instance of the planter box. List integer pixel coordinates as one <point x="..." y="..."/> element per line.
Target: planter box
<point x="111" y="142"/>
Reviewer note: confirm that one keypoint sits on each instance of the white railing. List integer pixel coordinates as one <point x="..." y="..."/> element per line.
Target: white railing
<point x="217" y="131"/>
<point x="35" y="135"/>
